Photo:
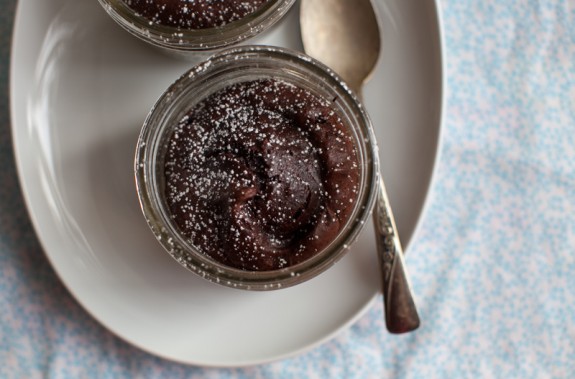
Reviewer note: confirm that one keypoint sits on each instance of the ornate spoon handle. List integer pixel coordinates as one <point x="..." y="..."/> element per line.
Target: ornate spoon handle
<point x="400" y="311"/>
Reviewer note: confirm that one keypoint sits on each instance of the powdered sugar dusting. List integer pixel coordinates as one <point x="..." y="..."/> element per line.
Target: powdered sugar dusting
<point x="194" y="14"/>
<point x="261" y="175"/>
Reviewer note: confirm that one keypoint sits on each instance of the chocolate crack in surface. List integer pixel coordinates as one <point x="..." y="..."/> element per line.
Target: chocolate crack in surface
<point x="194" y="14"/>
<point x="261" y="175"/>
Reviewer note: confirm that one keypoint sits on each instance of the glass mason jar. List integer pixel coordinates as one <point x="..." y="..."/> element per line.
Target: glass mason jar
<point x="181" y="40"/>
<point x="223" y="69"/>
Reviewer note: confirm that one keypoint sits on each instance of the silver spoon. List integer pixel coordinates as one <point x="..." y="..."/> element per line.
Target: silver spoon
<point x="344" y="35"/>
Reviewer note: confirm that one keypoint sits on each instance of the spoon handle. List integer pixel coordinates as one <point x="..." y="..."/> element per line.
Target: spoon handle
<point x="400" y="312"/>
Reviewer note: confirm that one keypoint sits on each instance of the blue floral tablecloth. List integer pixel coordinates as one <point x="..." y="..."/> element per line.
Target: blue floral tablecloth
<point x="495" y="268"/>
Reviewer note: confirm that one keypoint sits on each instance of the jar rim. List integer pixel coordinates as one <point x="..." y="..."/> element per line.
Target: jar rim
<point x="170" y="107"/>
<point x="180" y="39"/>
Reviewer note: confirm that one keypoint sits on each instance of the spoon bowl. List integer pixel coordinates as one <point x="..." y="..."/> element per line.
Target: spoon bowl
<point x="344" y="35"/>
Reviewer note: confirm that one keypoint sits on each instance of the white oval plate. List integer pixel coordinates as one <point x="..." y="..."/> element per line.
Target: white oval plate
<point x="80" y="89"/>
